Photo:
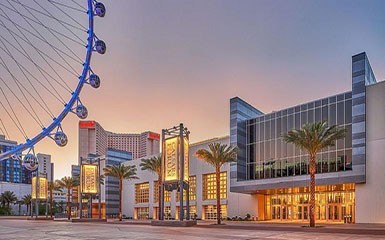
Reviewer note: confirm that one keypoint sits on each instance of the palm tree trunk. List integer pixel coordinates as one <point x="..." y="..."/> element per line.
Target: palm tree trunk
<point x="218" y="181"/>
<point x="160" y="195"/>
<point x="50" y="203"/>
<point x="69" y="204"/>
<point x="120" y="199"/>
<point x="91" y="206"/>
<point x="312" y="190"/>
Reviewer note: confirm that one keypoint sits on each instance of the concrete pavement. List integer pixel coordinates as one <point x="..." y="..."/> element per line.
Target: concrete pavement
<point x="22" y="229"/>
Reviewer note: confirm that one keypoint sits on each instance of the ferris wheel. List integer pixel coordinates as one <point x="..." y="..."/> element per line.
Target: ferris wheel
<point x="45" y="60"/>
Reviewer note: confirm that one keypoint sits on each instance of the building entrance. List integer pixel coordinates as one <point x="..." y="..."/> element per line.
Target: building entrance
<point x="334" y="206"/>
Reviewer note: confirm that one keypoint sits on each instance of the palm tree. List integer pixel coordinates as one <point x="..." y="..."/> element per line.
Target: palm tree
<point x="2" y="201"/>
<point x="19" y="202"/>
<point x="52" y="186"/>
<point x="68" y="183"/>
<point x="154" y="165"/>
<point x="218" y="155"/>
<point x="313" y="138"/>
<point x="8" y="197"/>
<point x="120" y="172"/>
<point x="27" y="200"/>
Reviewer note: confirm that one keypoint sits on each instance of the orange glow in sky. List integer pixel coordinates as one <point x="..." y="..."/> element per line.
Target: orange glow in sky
<point x="169" y="62"/>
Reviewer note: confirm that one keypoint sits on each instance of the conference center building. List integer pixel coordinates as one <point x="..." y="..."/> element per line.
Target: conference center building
<point x="350" y="179"/>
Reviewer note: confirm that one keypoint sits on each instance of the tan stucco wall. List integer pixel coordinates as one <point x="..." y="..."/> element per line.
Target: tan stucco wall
<point x="370" y="197"/>
<point x="237" y="204"/>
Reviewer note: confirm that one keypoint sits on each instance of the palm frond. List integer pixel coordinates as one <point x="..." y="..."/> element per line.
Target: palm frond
<point x="120" y="171"/>
<point x="153" y="164"/>
<point x="218" y="154"/>
<point x="314" y="137"/>
<point x="67" y="182"/>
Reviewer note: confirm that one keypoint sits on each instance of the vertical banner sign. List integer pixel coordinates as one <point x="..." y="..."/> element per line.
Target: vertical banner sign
<point x="33" y="190"/>
<point x="42" y="188"/>
<point x="89" y="179"/>
<point x="171" y="171"/>
<point x="186" y="159"/>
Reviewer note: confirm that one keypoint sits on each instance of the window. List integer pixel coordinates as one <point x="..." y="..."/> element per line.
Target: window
<point x="167" y="212"/>
<point x="210" y="212"/>
<point x="192" y="190"/>
<point x="141" y="213"/>
<point x="142" y="191"/>
<point x="209" y="186"/>
<point x="270" y="157"/>
<point x="167" y="195"/>
<point x="193" y="212"/>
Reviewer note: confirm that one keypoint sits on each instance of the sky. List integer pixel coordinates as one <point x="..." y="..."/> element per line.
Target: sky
<point x="175" y="61"/>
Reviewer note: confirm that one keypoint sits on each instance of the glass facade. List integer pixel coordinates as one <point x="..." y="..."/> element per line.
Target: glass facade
<point x="210" y="212"/>
<point x="210" y="187"/>
<point x="142" y="192"/>
<point x="193" y="212"/>
<point x="167" y="194"/>
<point x="114" y="157"/>
<point x="167" y="212"/>
<point x="192" y="190"/>
<point x="142" y="213"/>
<point x="268" y="156"/>
<point x="332" y="205"/>
<point x="12" y="170"/>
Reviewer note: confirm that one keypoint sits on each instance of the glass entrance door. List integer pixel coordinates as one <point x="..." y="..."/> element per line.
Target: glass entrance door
<point x="335" y="212"/>
<point x="290" y="212"/>
<point x="305" y="215"/>
<point x="330" y="206"/>
<point x="276" y="213"/>
<point x="302" y="213"/>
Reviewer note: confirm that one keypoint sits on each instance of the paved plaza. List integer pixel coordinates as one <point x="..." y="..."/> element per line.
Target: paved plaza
<point x="23" y="229"/>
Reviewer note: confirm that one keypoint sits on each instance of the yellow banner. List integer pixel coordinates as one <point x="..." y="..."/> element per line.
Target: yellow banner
<point x="186" y="159"/>
<point x="171" y="169"/>
<point x="41" y="188"/>
<point x="33" y="191"/>
<point x="89" y="179"/>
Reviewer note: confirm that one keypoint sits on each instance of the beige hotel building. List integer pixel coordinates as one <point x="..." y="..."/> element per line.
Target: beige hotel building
<point x="94" y="139"/>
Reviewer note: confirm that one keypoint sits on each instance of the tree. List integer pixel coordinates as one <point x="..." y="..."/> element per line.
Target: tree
<point x="68" y="183"/>
<point x="120" y="172"/>
<point x="27" y="200"/>
<point x="218" y="155"/>
<point x="313" y="138"/>
<point x="154" y="165"/>
<point x="52" y="186"/>
<point x="8" y="197"/>
<point x="19" y="202"/>
<point x="2" y="201"/>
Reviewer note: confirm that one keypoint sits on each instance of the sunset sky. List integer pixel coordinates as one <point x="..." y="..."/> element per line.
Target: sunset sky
<point x="175" y="61"/>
